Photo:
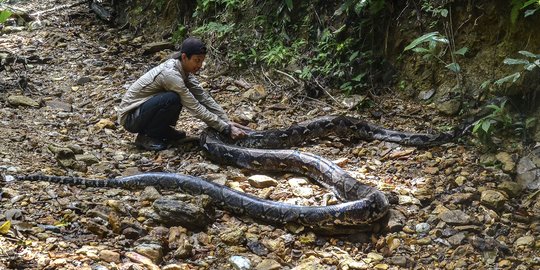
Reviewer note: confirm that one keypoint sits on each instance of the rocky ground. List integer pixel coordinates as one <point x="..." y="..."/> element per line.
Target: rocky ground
<point x="456" y="208"/>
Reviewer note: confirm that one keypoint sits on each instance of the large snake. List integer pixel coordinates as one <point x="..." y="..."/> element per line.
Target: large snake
<point x="361" y="206"/>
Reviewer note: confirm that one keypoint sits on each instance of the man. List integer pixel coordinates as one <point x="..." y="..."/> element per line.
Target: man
<point x="152" y="104"/>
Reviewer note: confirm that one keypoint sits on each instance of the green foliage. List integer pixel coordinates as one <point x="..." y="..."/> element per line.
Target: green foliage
<point x="327" y="41"/>
<point x="530" y="7"/>
<point x="528" y="63"/>
<point x="4" y="15"/>
<point x="435" y="46"/>
<point x="486" y="126"/>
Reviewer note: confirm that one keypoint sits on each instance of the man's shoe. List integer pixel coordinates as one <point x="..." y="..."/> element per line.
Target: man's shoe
<point x="149" y="143"/>
<point x="174" y="135"/>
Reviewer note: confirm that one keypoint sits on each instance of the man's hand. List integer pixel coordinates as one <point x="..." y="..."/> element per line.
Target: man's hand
<point x="240" y="126"/>
<point x="237" y="133"/>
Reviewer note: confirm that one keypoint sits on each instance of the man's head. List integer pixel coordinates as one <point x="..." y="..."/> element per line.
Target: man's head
<point x="192" y="54"/>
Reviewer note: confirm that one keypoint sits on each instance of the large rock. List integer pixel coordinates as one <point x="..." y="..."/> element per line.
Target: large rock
<point x="493" y="199"/>
<point x="528" y="170"/>
<point x="17" y="100"/>
<point x="180" y="213"/>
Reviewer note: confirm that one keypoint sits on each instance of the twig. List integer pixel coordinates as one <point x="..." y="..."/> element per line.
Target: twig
<point x="287" y="75"/>
<point x="263" y="73"/>
<point x="328" y="93"/>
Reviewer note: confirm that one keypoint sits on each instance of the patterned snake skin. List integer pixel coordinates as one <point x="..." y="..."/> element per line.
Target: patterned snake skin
<point x="361" y="207"/>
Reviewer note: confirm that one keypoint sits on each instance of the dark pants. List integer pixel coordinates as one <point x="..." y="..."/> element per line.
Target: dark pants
<point x="155" y="116"/>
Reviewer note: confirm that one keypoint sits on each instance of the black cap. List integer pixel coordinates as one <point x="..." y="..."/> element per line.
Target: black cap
<point x="192" y="46"/>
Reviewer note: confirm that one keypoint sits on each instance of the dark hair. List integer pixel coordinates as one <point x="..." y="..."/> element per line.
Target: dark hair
<point x="192" y="46"/>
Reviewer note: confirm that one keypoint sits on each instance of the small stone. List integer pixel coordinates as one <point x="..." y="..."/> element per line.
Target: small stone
<point x="256" y="93"/>
<point x="455" y="217"/>
<point x="268" y="264"/>
<point x="83" y="80"/>
<point x="399" y="261"/>
<point x="512" y="189"/>
<point x="408" y="200"/>
<point x="141" y="259"/>
<point x="422" y="227"/>
<point x="13" y="214"/>
<point x="493" y="199"/>
<point x="525" y="241"/>
<point x="105" y="123"/>
<point x="456" y="239"/>
<point x="505" y="264"/>
<point x="16" y="100"/>
<point x="460" y="180"/>
<point x="508" y="163"/>
<point x="257" y="248"/>
<point x="381" y="266"/>
<point x="375" y="256"/>
<point x="109" y="256"/>
<point x="262" y="181"/>
<point x="240" y="263"/>
<point x="59" y="105"/>
<point x="88" y="159"/>
<point x="153" y="252"/>
<point x="424" y="241"/>
<point x="176" y="267"/>
<point x="233" y="236"/>
<point x="150" y="194"/>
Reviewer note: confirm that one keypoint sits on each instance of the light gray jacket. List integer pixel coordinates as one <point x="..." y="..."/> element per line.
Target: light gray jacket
<point x="169" y="76"/>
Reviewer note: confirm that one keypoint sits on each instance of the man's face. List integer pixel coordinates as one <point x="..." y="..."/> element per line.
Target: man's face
<point x="193" y="64"/>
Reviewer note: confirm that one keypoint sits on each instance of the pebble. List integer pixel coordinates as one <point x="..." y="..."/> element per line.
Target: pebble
<point x="142" y="259"/>
<point x="456" y="239"/>
<point x="268" y="264"/>
<point x="399" y="261"/>
<point x="109" y="256"/>
<point x="422" y="227"/>
<point x="153" y="252"/>
<point x="512" y="189"/>
<point x="525" y="241"/>
<point x="240" y="263"/>
<point x="493" y="199"/>
<point x="455" y="217"/>
<point x="262" y="181"/>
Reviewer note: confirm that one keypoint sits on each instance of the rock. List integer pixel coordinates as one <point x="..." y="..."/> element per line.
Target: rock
<point x="150" y="194"/>
<point x="59" y="105"/>
<point x="512" y="189"/>
<point x="460" y="180"/>
<point x="179" y="213"/>
<point x="524" y="241"/>
<point x="422" y="228"/>
<point x="396" y="221"/>
<point x="257" y="248"/>
<point x="62" y="152"/>
<point x="240" y="263"/>
<point x="381" y="266"/>
<point x="375" y="257"/>
<point x="262" y="181"/>
<point x="176" y="267"/>
<point x="426" y="94"/>
<point x="353" y="101"/>
<point x="83" y="80"/>
<point x="449" y="107"/>
<point x="268" y="264"/>
<point x="109" y="256"/>
<point x="88" y="159"/>
<point x="153" y="252"/>
<point x="256" y="93"/>
<point x="310" y="263"/>
<point x="154" y="47"/>
<point x="455" y="217"/>
<point x="233" y="236"/>
<point x="180" y="242"/>
<point x="399" y="261"/>
<point x="16" y="100"/>
<point x="528" y="170"/>
<point x="493" y="199"/>
<point x="13" y="214"/>
<point x="456" y="239"/>
<point x="507" y="162"/>
<point x="105" y="123"/>
<point x="141" y="259"/>
<point x="408" y="200"/>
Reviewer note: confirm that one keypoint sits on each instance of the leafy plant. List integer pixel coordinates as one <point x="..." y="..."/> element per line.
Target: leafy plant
<point x="530" y="62"/>
<point x="430" y="49"/>
<point x="531" y="7"/>
<point x="4" y="15"/>
<point x="486" y="126"/>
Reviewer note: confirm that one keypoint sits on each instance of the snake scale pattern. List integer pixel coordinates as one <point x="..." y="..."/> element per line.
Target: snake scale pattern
<point x="361" y="205"/>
